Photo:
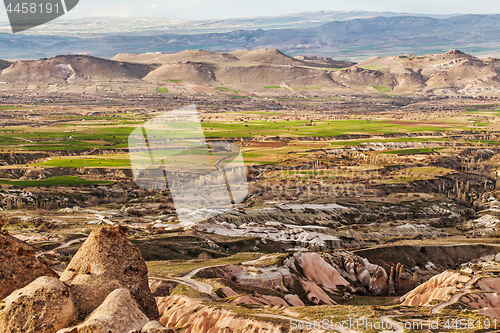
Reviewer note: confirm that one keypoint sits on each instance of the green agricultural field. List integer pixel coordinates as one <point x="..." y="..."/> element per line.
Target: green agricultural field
<point x="253" y="155"/>
<point x="80" y="162"/>
<point x="413" y="151"/>
<point x="54" y="181"/>
<point x="162" y="90"/>
<point x="227" y="89"/>
<point x="272" y="87"/>
<point x="359" y="142"/>
<point x="382" y="89"/>
<point x="68" y="137"/>
<point x="373" y="67"/>
<point x="319" y="129"/>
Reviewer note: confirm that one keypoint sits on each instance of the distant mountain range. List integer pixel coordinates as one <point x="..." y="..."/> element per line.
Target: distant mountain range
<point x="344" y="38"/>
<point x="100" y="26"/>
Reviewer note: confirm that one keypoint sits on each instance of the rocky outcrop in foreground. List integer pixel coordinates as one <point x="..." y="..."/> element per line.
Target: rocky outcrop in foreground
<point x="104" y="289"/>
<point x="18" y="266"/>
<point x="105" y="262"/>
<point x="45" y="305"/>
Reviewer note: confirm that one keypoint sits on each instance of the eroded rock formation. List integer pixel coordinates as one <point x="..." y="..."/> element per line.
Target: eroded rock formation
<point x="43" y="306"/>
<point x="105" y="262"/>
<point x="181" y="311"/>
<point x="104" y="289"/>
<point x="18" y="266"/>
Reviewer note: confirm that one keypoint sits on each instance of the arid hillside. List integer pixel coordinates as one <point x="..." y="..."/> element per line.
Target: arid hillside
<point x="4" y="64"/>
<point x="72" y="68"/>
<point x="188" y="55"/>
<point x="263" y="71"/>
<point x="261" y="56"/>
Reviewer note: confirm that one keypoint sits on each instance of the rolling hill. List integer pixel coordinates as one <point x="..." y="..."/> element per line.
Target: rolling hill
<point x="240" y="57"/>
<point x="187" y="55"/>
<point x="270" y="71"/>
<point x="73" y="68"/>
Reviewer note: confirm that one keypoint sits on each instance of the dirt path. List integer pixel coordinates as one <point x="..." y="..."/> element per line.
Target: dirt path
<point x="30" y="141"/>
<point x="67" y="244"/>
<point x="455" y="298"/>
<point x="103" y="219"/>
<point x="200" y="286"/>
<point x="188" y="281"/>
<point x="397" y="327"/>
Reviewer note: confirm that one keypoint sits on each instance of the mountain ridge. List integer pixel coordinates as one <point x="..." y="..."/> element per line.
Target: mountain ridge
<point x="139" y="25"/>
<point x="257" y="71"/>
<point x="355" y="40"/>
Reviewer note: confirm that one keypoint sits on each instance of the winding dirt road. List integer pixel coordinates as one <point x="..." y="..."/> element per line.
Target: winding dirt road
<point x="196" y="285"/>
<point x="397" y="327"/>
<point x="67" y="244"/>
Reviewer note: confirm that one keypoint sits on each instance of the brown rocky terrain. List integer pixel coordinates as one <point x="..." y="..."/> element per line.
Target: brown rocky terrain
<point x="476" y="286"/>
<point x="269" y="56"/>
<point x="104" y="289"/>
<point x="187" y="55"/>
<point x="307" y="278"/>
<point x="261" y="56"/>
<point x="440" y="287"/>
<point x="44" y="305"/>
<point x="196" y="317"/>
<point x="325" y="62"/>
<point x="199" y="73"/>
<point x="18" y="266"/>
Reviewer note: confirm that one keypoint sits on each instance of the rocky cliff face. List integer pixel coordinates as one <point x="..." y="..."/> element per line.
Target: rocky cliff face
<point x="18" y="266"/>
<point x="373" y="278"/>
<point x="104" y="289"/>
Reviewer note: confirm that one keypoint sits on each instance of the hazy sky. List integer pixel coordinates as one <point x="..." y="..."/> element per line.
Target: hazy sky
<point x="217" y="9"/>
